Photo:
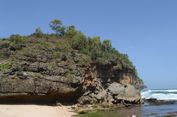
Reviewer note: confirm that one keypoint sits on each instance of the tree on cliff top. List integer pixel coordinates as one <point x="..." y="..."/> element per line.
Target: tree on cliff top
<point x="38" y="32"/>
<point x="57" y="26"/>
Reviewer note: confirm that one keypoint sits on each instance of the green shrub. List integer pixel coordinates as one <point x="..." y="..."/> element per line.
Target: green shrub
<point x="84" y="60"/>
<point x="63" y="46"/>
<point x="16" y="39"/>
<point x="5" y="66"/>
<point x="69" y="75"/>
<point x="17" y="42"/>
<point x="79" y="41"/>
<point x="70" y="32"/>
<point x="38" y="32"/>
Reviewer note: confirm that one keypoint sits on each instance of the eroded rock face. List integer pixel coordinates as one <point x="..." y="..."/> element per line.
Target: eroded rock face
<point x="114" y="93"/>
<point x="85" y="85"/>
<point x="39" y="89"/>
<point x="109" y="86"/>
<point x="41" y="79"/>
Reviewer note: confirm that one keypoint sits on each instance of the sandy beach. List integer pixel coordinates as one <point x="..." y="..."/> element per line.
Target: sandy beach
<point x="35" y="111"/>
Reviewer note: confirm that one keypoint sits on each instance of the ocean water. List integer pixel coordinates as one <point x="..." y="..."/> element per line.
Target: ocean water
<point x="160" y="110"/>
<point x="146" y="110"/>
<point x="160" y="94"/>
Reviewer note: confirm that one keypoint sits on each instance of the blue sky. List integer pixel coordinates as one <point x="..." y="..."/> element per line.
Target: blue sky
<point x="144" y="29"/>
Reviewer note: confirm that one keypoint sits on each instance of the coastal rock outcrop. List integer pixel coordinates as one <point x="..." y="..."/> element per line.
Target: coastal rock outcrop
<point x="68" y="68"/>
<point x="86" y="84"/>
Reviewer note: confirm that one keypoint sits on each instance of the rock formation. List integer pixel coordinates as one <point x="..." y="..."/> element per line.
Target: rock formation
<point x="55" y="68"/>
<point x="85" y="84"/>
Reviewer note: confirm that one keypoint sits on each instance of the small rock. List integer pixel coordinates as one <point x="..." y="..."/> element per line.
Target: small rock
<point x="58" y="104"/>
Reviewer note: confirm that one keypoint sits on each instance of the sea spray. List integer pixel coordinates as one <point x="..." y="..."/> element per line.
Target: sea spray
<point x="160" y="94"/>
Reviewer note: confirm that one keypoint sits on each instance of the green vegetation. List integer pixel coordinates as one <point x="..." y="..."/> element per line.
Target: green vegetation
<point x="100" y="114"/>
<point x="67" y="42"/>
<point x="57" y="26"/>
<point x="38" y="32"/>
<point x="5" y="66"/>
<point x="69" y="75"/>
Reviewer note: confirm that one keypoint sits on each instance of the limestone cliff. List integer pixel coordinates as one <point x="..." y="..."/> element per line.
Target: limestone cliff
<point x="86" y="84"/>
<point x="58" y="68"/>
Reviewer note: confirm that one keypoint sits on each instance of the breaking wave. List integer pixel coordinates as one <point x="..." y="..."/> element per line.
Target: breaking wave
<point x="160" y="94"/>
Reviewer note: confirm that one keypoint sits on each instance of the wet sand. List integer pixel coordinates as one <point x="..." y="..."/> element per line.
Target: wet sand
<point x="35" y="111"/>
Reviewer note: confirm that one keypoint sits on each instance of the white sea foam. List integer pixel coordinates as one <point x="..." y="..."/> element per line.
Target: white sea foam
<point x="160" y="94"/>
